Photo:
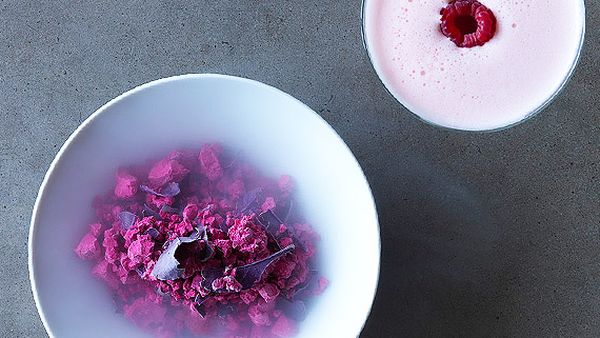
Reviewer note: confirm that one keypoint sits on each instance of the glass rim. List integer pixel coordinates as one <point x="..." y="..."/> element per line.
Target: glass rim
<point x="529" y="115"/>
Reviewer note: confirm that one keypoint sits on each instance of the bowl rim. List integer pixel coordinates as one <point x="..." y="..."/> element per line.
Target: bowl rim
<point x="197" y="76"/>
<point x="549" y="100"/>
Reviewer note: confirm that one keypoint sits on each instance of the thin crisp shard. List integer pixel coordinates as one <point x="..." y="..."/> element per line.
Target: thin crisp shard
<point x="152" y="232"/>
<point x="169" y="209"/>
<point x="209" y="275"/>
<point x="270" y="221"/>
<point x="140" y="271"/>
<point x="127" y="219"/>
<point x="251" y="273"/>
<point x="310" y="283"/>
<point x="290" y="206"/>
<point x="167" y="266"/>
<point x="200" y="309"/>
<point x="208" y="251"/>
<point x="169" y="190"/>
<point x="250" y="202"/>
<point x="223" y="226"/>
<point x="148" y="190"/>
<point x="199" y="305"/>
<point x="150" y="212"/>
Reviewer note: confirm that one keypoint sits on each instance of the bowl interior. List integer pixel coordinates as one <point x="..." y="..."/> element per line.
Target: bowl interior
<point x="277" y="133"/>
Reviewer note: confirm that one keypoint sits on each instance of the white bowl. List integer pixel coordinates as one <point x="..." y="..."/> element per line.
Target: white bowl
<point x="278" y="132"/>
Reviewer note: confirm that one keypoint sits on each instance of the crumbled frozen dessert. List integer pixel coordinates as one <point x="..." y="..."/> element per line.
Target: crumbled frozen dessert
<point x="200" y="244"/>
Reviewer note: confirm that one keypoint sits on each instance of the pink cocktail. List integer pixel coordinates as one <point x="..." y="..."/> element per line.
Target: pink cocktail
<point x="511" y="77"/>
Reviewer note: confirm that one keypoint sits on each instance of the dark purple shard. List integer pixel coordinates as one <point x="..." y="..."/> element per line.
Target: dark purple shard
<point x="169" y="190"/>
<point x="199" y="305"/>
<point x="150" y="212"/>
<point x="140" y="271"/>
<point x="152" y="232"/>
<point x="167" y="266"/>
<point x="208" y="250"/>
<point x="127" y="219"/>
<point x="274" y="241"/>
<point x="223" y="225"/>
<point x="251" y="273"/>
<point x="148" y="190"/>
<point x="206" y="208"/>
<point x="309" y="285"/>
<point x="207" y="253"/>
<point x="270" y="221"/>
<point x="290" y="206"/>
<point x="230" y="159"/>
<point x="200" y="309"/>
<point x="251" y="200"/>
<point x="161" y="292"/>
<point x="169" y="209"/>
<point x="209" y="275"/>
<point x="200" y="299"/>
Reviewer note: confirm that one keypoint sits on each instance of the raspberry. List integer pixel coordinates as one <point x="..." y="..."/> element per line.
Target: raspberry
<point x="468" y="23"/>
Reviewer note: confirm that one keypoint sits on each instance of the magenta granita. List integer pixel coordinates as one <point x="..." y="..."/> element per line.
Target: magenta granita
<point x="199" y="243"/>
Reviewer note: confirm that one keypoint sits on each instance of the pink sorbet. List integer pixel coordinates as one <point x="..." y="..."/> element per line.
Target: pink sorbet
<point x="200" y="244"/>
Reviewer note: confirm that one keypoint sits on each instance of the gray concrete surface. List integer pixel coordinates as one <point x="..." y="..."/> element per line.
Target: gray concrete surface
<point x="484" y="235"/>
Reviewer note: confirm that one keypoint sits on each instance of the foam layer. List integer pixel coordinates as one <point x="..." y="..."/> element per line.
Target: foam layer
<point x="534" y="50"/>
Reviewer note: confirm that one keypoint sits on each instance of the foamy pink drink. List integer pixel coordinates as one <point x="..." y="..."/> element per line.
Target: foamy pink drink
<point x="510" y="78"/>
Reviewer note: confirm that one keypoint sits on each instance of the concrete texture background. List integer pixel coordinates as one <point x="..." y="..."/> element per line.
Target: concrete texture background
<point x="484" y="235"/>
